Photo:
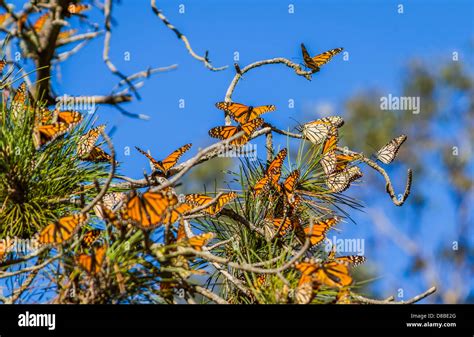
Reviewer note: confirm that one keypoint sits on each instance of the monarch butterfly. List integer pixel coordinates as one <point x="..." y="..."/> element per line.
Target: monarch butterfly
<point x="273" y="173"/>
<point x="340" y="181"/>
<point x="97" y="155"/>
<point x="342" y="160"/>
<point x="289" y="186"/>
<point x="304" y="290"/>
<point x="167" y="163"/>
<point x="242" y="113"/>
<point x="90" y="237"/>
<point x="201" y="200"/>
<point x="88" y="140"/>
<point x="61" y="230"/>
<point x="3" y="18"/>
<point x="44" y="134"/>
<point x="112" y="218"/>
<point x="343" y="296"/>
<point x="77" y="8"/>
<point x="283" y="226"/>
<point x="389" y="151"/>
<point x="196" y="241"/>
<point x="148" y="210"/>
<point x="68" y="117"/>
<point x="5" y="247"/>
<point x="317" y="232"/>
<point x="3" y="63"/>
<point x="66" y="34"/>
<point x="39" y="24"/>
<point x="226" y="132"/>
<point x="317" y="131"/>
<point x="19" y="101"/>
<point x="92" y="264"/>
<point x="333" y="274"/>
<point x="175" y="212"/>
<point x="353" y="260"/>
<point x="113" y="199"/>
<point x="314" y="63"/>
<point x="328" y="159"/>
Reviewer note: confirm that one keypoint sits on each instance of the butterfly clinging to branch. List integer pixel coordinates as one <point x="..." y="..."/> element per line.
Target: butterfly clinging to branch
<point x="390" y="150"/>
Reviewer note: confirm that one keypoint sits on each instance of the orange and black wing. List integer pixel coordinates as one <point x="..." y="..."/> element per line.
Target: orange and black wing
<point x="317" y="232"/>
<point x="61" y="230"/>
<point x="317" y="61"/>
<point x="173" y="158"/>
<point x="87" y="141"/>
<point x="90" y="237"/>
<point x="242" y="113"/>
<point x="156" y="163"/>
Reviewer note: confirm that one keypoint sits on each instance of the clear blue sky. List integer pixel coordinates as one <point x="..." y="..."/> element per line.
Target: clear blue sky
<point x="380" y="41"/>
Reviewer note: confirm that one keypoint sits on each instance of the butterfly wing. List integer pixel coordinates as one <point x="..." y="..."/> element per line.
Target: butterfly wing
<point x="317" y="61"/>
<point x="173" y="158"/>
<point x="39" y="24"/>
<point x="61" y="230"/>
<point x="353" y="260"/>
<point x="289" y="185"/>
<point x="88" y="140"/>
<point x="156" y="164"/>
<point x="389" y="151"/>
<point x="90" y="237"/>
<point x="70" y="117"/>
<point x="239" y="112"/>
<point x="198" y="241"/>
<point x="97" y="155"/>
<point x="44" y="134"/>
<point x="316" y="132"/>
<point x="317" y="232"/>
<point x="333" y="274"/>
<point x="226" y="132"/>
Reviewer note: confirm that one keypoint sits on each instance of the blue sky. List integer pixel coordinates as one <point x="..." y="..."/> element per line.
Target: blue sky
<point x="380" y="42"/>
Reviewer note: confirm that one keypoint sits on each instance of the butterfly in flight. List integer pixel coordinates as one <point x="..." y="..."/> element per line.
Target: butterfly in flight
<point x="228" y="131"/>
<point x="242" y="113"/>
<point x="62" y="230"/>
<point x="389" y="151"/>
<point x="169" y="162"/>
<point x="315" y="63"/>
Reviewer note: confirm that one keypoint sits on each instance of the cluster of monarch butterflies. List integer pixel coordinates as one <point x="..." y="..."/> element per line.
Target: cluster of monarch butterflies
<point x="333" y="273"/>
<point x="48" y="125"/>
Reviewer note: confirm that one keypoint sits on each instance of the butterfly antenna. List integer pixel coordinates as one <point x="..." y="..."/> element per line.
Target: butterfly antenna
<point x="299" y="126"/>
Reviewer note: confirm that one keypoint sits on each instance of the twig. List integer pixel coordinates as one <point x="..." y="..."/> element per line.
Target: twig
<point x="180" y="36"/>
<point x="105" y="53"/>
<point x="415" y="299"/>
<point x="209" y="295"/>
